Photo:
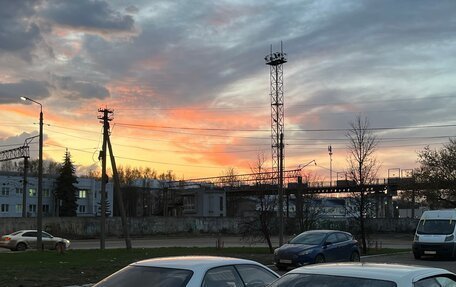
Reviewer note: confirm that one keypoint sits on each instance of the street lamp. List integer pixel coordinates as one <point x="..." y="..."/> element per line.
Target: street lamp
<point x="39" y="214"/>
<point x="301" y="166"/>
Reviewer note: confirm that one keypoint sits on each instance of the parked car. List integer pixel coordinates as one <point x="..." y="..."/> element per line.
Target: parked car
<point x="366" y="274"/>
<point x="24" y="239"/>
<point x="192" y="271"/>
<point x="317" y="246"/>
<point x="435" y="234"/>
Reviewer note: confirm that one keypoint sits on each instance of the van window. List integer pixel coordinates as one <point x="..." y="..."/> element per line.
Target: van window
<point x="436" y="226"/>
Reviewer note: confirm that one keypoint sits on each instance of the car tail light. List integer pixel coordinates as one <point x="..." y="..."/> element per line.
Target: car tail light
<point x="7" y="238"/>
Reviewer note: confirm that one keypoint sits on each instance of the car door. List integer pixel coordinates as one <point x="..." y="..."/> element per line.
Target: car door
<point x="255" y="276"/>
<point x="345" y="246"/>
<point x="331" y="249"/>
<point x="47" y="241"/>
<point x="223" y="276"/>
<point x="30" y="238"/>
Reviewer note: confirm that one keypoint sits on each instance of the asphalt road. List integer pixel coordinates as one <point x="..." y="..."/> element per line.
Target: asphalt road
<point x="381" y="241"/>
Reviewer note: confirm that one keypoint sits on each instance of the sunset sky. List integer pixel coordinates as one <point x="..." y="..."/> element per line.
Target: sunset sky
<point x="189" y="86"/>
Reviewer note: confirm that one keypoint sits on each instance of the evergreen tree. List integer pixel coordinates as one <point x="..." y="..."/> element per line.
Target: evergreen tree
<point x="66" y="191"/>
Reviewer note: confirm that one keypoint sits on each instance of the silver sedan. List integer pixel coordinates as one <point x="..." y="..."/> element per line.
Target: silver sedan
<point x="25" y="239"/>
<point x="192" y="271"/>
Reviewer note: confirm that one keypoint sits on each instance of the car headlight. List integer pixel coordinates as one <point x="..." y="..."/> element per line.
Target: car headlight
<point x="305" y="252"/>
<point x="416" y="238"/>
<point x="449" y="238"/>
<point x="276" y="251"/>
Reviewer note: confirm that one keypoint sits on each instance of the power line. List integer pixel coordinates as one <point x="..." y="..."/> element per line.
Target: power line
<point x="139" y="126"/>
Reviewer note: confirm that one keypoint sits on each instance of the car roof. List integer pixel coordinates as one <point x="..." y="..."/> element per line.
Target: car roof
<point x="324" y="231"/>
<point x="192" y="262"/>
<point x="393" y="272"/>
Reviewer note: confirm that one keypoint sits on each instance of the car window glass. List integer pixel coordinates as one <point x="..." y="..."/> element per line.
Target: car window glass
<point x="310" y="238"/>
<point x="438" y="281"/>
<point x="141" y="276"/>
<point x="29" y="234"/>
<point x="225" y="276"/>
<point x="315" y="280"/>
<point x="331" y="239"/>
<point x="255" y="276"/>
<point x="342" y="237"/>
<point x="46" y="235"/>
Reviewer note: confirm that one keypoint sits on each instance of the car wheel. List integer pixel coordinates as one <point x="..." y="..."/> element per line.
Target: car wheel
<point x="417" y="255"/>
<point x="319" y="259"/>
<point x="354" y="257"/>
<point x="21" y="246"/>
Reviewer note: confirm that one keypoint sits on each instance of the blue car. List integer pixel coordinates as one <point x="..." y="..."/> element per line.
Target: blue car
<point x="317" y="246"/>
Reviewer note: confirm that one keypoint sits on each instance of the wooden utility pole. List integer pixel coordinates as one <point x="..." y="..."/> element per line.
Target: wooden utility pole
<point x="107" y="142"/>
<point x="105" y="120"/>
<point x="123" y="214"/>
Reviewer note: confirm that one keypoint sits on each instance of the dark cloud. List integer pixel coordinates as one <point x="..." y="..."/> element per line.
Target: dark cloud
<point x="11" y="92"/>
<point x="19" y="34"/>
<point x="90" y="15"/>
<point x="132" y="9"/>
<point x="80" y="89"/>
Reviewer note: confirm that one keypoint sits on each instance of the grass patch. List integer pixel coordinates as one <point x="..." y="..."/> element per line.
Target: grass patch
<point x="77" y="267"/>
<point x="49" y="268"/>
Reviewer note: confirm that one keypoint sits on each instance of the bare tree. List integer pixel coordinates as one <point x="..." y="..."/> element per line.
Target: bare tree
<point x="259" y="225"/>
<point x="308" y="208"/>
<point x="362" y="168"/>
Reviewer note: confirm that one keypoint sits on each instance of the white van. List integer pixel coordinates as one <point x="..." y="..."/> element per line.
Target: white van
<point x="435" y="234"/>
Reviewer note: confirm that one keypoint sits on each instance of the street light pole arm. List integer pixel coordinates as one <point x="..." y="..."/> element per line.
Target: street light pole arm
<point x="31" y="100"/>
<point x="303" y="166"/>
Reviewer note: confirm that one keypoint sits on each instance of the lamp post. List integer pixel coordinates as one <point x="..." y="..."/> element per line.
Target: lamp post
<point x="39" y="214"/>
<point x="330" y="152"/>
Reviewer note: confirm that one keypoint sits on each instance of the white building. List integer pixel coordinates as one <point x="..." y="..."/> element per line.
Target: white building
<point x="11" y="196"/>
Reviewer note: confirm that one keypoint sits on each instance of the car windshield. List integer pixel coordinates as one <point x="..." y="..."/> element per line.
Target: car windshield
<point x="436" y="226"/>
<point x="299" y="280"/>
<point x="141" y="276"/>
<point x="309" y="238"/>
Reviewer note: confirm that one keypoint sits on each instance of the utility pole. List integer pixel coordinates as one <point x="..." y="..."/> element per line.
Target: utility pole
<point x="330" y="165"/>
<point x="104" y="177"/>
<point x="107" y="142"/>
<point x="119" y="197"/>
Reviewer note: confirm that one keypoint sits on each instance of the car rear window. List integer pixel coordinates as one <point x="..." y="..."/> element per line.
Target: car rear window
<point x="316" y="280"/>
<point x="142" y="276"/>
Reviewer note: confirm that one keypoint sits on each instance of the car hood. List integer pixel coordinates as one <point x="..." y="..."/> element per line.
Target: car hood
<point x="290" y="247"/>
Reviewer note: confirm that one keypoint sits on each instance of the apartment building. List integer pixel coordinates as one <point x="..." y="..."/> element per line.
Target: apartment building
<point x="11" y="196"/>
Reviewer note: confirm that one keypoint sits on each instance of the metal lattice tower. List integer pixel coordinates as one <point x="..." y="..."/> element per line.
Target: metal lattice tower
<point x="275" y="62"/>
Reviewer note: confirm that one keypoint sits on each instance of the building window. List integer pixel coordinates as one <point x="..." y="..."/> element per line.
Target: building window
<point x="45" y="208"/>
<point x="4" y="208"/>
<point x="189" y="202"/>
<point x="5" y="191"/>
<point x="82" y="208"/>
<point x="46" y="192"/>
<point x="82" y="193"/>
<point x="18" y="208"/>
<point x="18" y="190"/>
<point x="32" y="192"/>
<point x="32" y="208"/>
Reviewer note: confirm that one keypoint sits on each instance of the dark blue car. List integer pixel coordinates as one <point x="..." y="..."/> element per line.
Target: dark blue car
<point x="317" y="246"/>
